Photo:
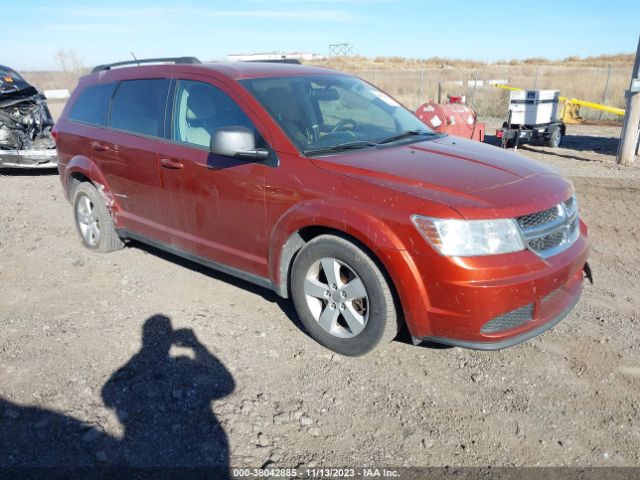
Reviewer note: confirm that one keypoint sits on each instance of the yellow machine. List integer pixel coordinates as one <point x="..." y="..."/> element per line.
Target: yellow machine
<point x="571" y="109"/>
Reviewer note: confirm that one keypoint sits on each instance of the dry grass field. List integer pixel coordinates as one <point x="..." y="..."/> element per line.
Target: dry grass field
<point x="414" y="81"/>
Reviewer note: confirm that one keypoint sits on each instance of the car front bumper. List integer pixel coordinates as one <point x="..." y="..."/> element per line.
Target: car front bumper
<point x="29" y="159"/>
<point x="494" y="302"/>
<point x="538" y="328"/>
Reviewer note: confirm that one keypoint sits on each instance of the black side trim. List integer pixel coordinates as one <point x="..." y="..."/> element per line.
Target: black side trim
<point x="510" y="341"/>
<point x="241" y="274"/>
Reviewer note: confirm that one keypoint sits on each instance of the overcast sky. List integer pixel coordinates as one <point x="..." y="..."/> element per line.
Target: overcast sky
<point x="106" y="31"/>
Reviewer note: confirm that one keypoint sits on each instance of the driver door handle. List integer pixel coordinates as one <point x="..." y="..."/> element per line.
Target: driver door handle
<point x="171" y="164"/>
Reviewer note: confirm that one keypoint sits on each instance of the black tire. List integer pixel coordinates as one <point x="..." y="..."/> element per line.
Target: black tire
<point x="107" y="239"/>
<point x="555" y="138"/>
<point x="381" y="322"/>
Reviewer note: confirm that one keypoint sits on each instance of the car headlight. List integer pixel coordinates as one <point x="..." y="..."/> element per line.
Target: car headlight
<point x="468" y="238"/>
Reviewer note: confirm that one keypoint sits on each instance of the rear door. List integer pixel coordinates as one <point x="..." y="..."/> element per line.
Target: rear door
<point x="129" y="158"/>
<point x="216" y="203"/>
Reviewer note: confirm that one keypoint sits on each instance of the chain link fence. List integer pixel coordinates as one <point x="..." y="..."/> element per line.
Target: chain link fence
<point x="414" y="87"/>
<point x="604" y="85"/>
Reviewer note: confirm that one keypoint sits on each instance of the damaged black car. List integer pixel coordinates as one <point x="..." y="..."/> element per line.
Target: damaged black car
<point x="25" y="124"/>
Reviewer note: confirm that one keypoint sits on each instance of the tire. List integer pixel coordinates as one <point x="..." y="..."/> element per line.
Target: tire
<point x="555" y="138"/>
<point x="93" y="221"/>
<point x="341" y="314"/>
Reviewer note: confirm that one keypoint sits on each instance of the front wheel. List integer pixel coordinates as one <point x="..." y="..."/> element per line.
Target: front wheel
<point x="342" y="297"/>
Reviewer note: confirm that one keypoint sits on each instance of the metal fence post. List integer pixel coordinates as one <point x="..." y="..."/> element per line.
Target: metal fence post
<point x="473" y="94"/>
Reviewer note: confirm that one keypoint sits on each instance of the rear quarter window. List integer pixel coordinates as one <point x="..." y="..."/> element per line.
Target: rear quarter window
<point x="138" y="106"/>
<point x="92" y="104"/>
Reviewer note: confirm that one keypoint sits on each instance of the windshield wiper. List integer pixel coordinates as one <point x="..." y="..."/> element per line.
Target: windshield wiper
<point x="340" y="147"/>
<point x="407" y="134"/>
<point x="367" y="143"/>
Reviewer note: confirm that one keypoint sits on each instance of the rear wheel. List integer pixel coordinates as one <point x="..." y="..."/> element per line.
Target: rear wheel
<point x="342" y="297"/>
<point x="93" y="221"/>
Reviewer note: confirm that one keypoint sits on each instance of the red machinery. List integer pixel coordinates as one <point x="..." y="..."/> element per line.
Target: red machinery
<point x="454" y="118"/>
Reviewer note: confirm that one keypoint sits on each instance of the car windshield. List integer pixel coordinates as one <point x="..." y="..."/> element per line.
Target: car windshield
<point x="334" y="113"/>
<point x="8" y="75"/>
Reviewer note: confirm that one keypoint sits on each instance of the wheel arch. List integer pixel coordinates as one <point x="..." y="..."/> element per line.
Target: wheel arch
<point x="82" y="169"/>
<point x="310" y="219"/>
<point x="300" y="238"/>
<point x="384" y="247"/>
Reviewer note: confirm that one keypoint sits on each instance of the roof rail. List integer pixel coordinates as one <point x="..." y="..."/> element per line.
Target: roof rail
<point x="293" y="61"/>
<point x="176" y="60"/>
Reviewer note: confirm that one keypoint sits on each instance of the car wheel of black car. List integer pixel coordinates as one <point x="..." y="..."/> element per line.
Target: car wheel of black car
<point x="342" y="297"/>
<point x="93" y="221"/>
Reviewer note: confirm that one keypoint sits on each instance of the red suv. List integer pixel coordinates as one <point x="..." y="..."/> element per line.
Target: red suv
<point x="319" y="186"/>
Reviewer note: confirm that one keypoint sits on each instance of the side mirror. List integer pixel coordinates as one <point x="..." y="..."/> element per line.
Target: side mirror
<point x="236" y="142"/>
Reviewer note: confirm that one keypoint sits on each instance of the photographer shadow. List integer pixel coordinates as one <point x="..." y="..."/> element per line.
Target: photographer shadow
<point x="162" y="401"/>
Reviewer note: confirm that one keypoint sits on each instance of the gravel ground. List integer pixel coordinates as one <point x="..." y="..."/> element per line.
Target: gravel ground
<point x="140" y="358"/>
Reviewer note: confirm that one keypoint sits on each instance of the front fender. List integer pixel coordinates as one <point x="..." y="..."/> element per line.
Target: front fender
<point x="369" y="230"/>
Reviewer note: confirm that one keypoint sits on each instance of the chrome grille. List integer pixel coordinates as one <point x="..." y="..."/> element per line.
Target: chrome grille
<point x="548" y="241"/>
<point x="551" y="231"/>
<point x="570" y="204"/>
<point x="539" y="218"/>
<point x="574" y="226"/>
<point x="508" y="320"/>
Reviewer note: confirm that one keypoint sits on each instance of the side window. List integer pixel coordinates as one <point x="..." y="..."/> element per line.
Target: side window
<point x="138" y="106"/>
<point x="200" y="109"/>
<point x="92" y="104"/>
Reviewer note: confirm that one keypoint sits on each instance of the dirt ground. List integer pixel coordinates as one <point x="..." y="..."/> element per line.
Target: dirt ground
<point x="139" y="358"/>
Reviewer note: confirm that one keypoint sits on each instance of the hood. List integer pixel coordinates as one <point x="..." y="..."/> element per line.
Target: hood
<point x="476" y="179"/>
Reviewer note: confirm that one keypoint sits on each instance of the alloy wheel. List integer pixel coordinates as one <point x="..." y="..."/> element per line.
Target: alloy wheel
<point x="87" y="219"/>
<point x="337" y="298"/>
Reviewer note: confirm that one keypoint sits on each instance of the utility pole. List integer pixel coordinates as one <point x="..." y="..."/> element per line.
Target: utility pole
<point x="629" y="135"/>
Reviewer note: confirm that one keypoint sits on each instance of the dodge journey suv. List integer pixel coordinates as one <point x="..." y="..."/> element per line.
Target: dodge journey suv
<point x="316" y="184"/>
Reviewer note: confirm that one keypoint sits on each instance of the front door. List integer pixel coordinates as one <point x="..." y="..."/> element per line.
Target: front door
<point x="217" y="205"/>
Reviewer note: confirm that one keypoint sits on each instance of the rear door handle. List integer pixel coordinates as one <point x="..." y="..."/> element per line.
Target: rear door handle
<point x="99" y="146"/>
<point x="171" y="163"/>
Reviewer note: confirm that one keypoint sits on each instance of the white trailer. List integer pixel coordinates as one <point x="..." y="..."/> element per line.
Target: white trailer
<point x="533" y="115"/>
